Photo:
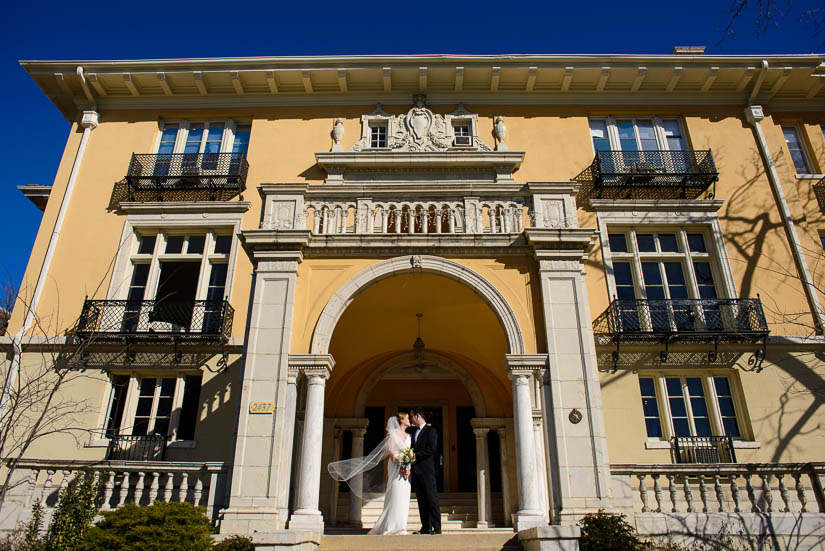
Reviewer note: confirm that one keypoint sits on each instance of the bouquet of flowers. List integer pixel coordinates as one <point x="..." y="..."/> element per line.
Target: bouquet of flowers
<point x="405" y="458"/>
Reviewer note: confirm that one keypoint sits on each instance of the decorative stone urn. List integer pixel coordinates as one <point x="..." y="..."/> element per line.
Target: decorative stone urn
<point x="337" y="134"/>
<point x="501" y="132"/>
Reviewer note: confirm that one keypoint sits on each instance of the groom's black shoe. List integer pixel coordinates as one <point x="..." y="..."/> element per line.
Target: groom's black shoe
<point x="434" y="533"/>
<point x="421" y="532"/>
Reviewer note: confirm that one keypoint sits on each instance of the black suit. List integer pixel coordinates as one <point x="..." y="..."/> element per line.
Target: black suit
<point x="422" y="479"/>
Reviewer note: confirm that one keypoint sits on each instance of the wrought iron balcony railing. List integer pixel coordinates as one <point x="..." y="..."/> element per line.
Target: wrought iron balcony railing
<point x="704" y="449"/>
<point x="152" y="320"/>
<point x="150" y="447"/>
<point x="664" y="170"/>
<point x="186" y="176"/>
<point x="694" y="320"/>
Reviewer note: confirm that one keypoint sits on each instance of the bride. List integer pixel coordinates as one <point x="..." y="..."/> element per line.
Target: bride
<point x="364" y="477"/>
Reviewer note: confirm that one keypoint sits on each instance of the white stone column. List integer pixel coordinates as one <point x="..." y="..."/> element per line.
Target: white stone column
<point x="354" y="500"/>
<point x="485" y="506"/>
<point x="503" y="442"/>
<point x="579" y="468"/>
<point x="262" y="459"/>
<point x="530" y="513"/>
<point x="289" y="438"/>
<point x="541" y="467"/>
<point x="337" y="444"/>
<point x="307" y="516"/>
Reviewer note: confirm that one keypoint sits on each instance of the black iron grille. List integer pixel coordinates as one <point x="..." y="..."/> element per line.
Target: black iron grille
<point x="186" y="176"/>
<point x="199" y="320"/>
<point x="703" y="449"/>
<point x="698" y="319"/>
<point x="680" y="170"/>
<point x="136" y="448"/>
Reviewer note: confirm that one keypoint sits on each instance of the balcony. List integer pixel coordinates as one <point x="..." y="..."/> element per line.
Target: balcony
<point x="136" y="448"/>
<point x="660" y="174"/>
<point x="819" y="193"/>
<point x="186" y="176"/>
<point x="703" y="449"/>
<point x="152" y="321"/>
<point x="740" y="320"/>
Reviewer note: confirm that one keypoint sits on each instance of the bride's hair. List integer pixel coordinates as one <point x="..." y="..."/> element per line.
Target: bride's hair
<point x="402" y="415"/>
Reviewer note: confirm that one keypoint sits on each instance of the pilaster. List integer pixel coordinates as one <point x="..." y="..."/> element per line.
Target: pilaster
<point x="257" y="492"/>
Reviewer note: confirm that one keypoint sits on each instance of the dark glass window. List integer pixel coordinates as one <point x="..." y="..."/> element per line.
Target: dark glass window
<point x="645" y="242"/>
<point x="727" y="412"/>
<point x="623" y="275"/>
<point x="678" y="409"/>
<point x="174" y="244"/>
<point x="196" y="244"/>
<point x="147" y="244"/>
<point x="650" y="407"/>
<point x="189" y="408"/>
<point x="223" y="244"/>
<point x="696" y="243"/>
<point x="120" y="384"/>
<point x="618" y="242"/>
<point x="668" y="243"/>
<point x="698" y="406"/>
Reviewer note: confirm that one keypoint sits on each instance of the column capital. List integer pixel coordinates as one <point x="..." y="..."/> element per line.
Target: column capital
<point x="519" y="365"/>
<point x="292" y="376"/>
<point x="277" y="261"/>
<point x="481" y="432"/>
<point x="352" y="424"/>
<point x="315" y="367"/>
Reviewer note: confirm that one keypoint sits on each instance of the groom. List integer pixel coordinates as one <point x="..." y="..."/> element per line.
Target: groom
<point x="425" y="447"/>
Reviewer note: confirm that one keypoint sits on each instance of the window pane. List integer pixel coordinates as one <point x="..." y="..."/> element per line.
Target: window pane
<point x="194" y="139"/>
<point x="704" y="280"/>
<point x="241" y="143"/>
<point x="623" y="276"/>
<point x="598" y="132"/>
<point x="120" y="384"/>
<point x="618" y="242"/>
<point x="676" y="286"/>
<point x="174" y="244"/>
<point x="727" y="410"/>
<point x="650" y="407"/>
<point x="673" y="134"/>
<point x="189" y="408"/>
<point x="645" y="242"/>
<point x="223" y="243"/>
<point x="195" y="244"/>
<point x="647" y="136"/>
<point x="213" y="139"/>
<point x="147" y="244"/>
<point x="627" y="138"/>
<point x="140" y="275"/>
<point x="698" y="406"/>
<point x="167" y="139"/>
<point x="795" y="146"/>
<point x="653" y="280"/>
<point x="668" y="244"/>
<point x="696" y="243"/>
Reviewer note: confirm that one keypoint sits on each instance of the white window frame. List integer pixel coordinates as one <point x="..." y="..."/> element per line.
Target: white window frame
<point x="174" y="219"/>
<point x="462" y="121"/>
<point x="133" y="393"/>
<point x="227" y="138"/>
<point x="658" y="127"/>
<point x="623" y="214"/>
<point x="806" y="154"/>
<point x="379" y="123"/>
<point x="711" y="401"/>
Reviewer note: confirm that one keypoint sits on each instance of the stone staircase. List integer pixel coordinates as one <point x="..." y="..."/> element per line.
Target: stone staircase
<point x="459" y="511"/>
<point x="498" y="540"/>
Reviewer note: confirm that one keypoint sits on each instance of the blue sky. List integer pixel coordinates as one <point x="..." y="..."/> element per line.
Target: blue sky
<point x="36" y="132"/>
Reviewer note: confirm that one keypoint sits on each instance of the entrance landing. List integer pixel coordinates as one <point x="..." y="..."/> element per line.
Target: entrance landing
<point x="468" y="540"/>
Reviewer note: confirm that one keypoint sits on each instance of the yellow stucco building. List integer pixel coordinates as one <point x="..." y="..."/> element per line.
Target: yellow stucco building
<point x="602" y="275"/>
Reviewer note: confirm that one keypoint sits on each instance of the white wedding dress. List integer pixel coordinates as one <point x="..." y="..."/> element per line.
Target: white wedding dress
<point x="393" y="519"/>
<point x="365" y="477"/>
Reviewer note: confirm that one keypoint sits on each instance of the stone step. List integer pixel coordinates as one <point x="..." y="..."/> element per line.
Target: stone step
<point x="503" y="540"/>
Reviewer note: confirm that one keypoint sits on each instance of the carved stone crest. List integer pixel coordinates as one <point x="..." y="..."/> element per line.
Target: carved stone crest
<point x="419" y="129"/>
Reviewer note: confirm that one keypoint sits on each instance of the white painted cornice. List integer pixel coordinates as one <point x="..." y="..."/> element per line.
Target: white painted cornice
<point x="178" y="207"/>
<point x="392" y="159"/>
<point x="667" y="205"/>
<point x="780" y="81"/>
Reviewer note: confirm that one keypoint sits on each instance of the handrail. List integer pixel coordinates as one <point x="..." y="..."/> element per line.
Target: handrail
<point x="176" y="176"/>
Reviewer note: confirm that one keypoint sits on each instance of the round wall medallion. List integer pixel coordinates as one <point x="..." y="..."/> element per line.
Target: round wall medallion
<point x="575" y="416"/>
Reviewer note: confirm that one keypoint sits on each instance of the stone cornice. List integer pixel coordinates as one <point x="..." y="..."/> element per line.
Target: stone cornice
<point x="163" y="207"/>
<point x="561" y="239"/>
<point x="405" y="189"/>
<point x="667" y="205"/>
<point x="448" y="159"/>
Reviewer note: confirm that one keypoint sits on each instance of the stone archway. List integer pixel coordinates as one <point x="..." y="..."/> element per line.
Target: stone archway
<point x="339" y="302"/>
<point x="432" y="358"/>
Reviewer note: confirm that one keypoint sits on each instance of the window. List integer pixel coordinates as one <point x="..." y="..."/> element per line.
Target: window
<point x="797" y="149"/>
<point x="637" y="134"/>
<point x="685" y="406"/>
<point x="665" y="269"/>
<point x="378" y="135"/>
<point x="462" y="133"/>
<point x="822" y="239"/>
<point x="176" y="269"/>
<point x="201" y="142"/>
<point x="149" y="405"/>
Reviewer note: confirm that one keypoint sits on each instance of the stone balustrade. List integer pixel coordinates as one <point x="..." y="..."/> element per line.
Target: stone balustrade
<point x="412" y="217"/>
<point x="140" y="482"/>
<point x="722" y="488"/>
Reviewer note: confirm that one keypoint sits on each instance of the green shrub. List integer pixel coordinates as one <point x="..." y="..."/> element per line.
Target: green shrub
<point x="77" y="506"/>
<point x="607" y="532"/>
<point x="235" y="543"/>
<point x="158" y="527"/>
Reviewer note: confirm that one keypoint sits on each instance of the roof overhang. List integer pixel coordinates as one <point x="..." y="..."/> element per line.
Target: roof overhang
<point x="37" y="194"/>
<point x="778" y="81"/>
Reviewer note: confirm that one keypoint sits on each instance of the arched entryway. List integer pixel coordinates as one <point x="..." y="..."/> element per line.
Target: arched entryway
<point x="458" y="374"/>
